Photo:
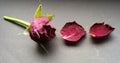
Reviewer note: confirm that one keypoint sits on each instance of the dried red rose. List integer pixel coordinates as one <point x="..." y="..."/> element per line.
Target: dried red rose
<point x="41" y="30"/>
<point x="99" y="30"/>
<point x="72" y="32"/>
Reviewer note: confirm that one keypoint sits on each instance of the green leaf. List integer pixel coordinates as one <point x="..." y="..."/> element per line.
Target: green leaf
<point x="49" y="16"/>
<point x="38" y="11"/>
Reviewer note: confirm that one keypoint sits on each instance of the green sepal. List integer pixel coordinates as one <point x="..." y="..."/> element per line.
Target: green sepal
<point x="49" y="16"/>
<point x="38" y="11"/>
<point x="26" y="31"/>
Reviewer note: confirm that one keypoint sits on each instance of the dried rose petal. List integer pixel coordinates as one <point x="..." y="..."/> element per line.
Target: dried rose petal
<point x="99" y="30"/>
<point x="41" y="30"/>
<point x="72" y="32"/>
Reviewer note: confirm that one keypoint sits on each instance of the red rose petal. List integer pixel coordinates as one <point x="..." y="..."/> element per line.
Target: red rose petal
<point x="72" y="32"/>
<point x="99" y="30"/>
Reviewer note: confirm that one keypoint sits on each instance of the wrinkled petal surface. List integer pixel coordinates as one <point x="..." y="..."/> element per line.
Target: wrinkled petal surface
<point x="41" y="29"/>
<point x="99" y="30"/>
<point x="72" y="32"/>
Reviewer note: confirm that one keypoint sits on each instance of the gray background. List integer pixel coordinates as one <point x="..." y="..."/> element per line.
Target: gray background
<point x="18" y="48"/>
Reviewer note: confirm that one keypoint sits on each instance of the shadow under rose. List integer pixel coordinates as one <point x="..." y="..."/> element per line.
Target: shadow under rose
<point x="69" y="43"/>
<point x="102" y="40"/>
<point x="48" y="47"/>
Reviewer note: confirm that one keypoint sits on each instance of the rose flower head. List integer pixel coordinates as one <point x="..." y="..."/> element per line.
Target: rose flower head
<point x="41" y="29"/>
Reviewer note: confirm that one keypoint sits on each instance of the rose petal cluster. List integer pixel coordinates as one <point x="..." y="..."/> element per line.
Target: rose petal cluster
<point x="41" y="29"/>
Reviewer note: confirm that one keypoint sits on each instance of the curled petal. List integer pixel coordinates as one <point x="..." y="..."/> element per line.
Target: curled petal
<point x="99" y="30"/>
<point x="72" y="32"/>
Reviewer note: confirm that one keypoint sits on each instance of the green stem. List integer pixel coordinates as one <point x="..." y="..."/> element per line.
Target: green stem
<point x="44" y="48"/>
<point x="17" y="20"/>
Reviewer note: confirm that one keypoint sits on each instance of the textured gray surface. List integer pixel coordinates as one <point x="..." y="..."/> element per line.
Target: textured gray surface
<point x="18" y="48"/>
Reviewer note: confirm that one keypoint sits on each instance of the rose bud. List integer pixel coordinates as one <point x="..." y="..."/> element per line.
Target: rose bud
<point x="99" y="30"/>
<point x="41" y="29"/>
<point x="72" y="32"/>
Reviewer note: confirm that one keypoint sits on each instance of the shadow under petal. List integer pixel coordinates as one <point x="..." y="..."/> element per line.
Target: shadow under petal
<point x="102" y="40"/>
<point x="70" y="43"/>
